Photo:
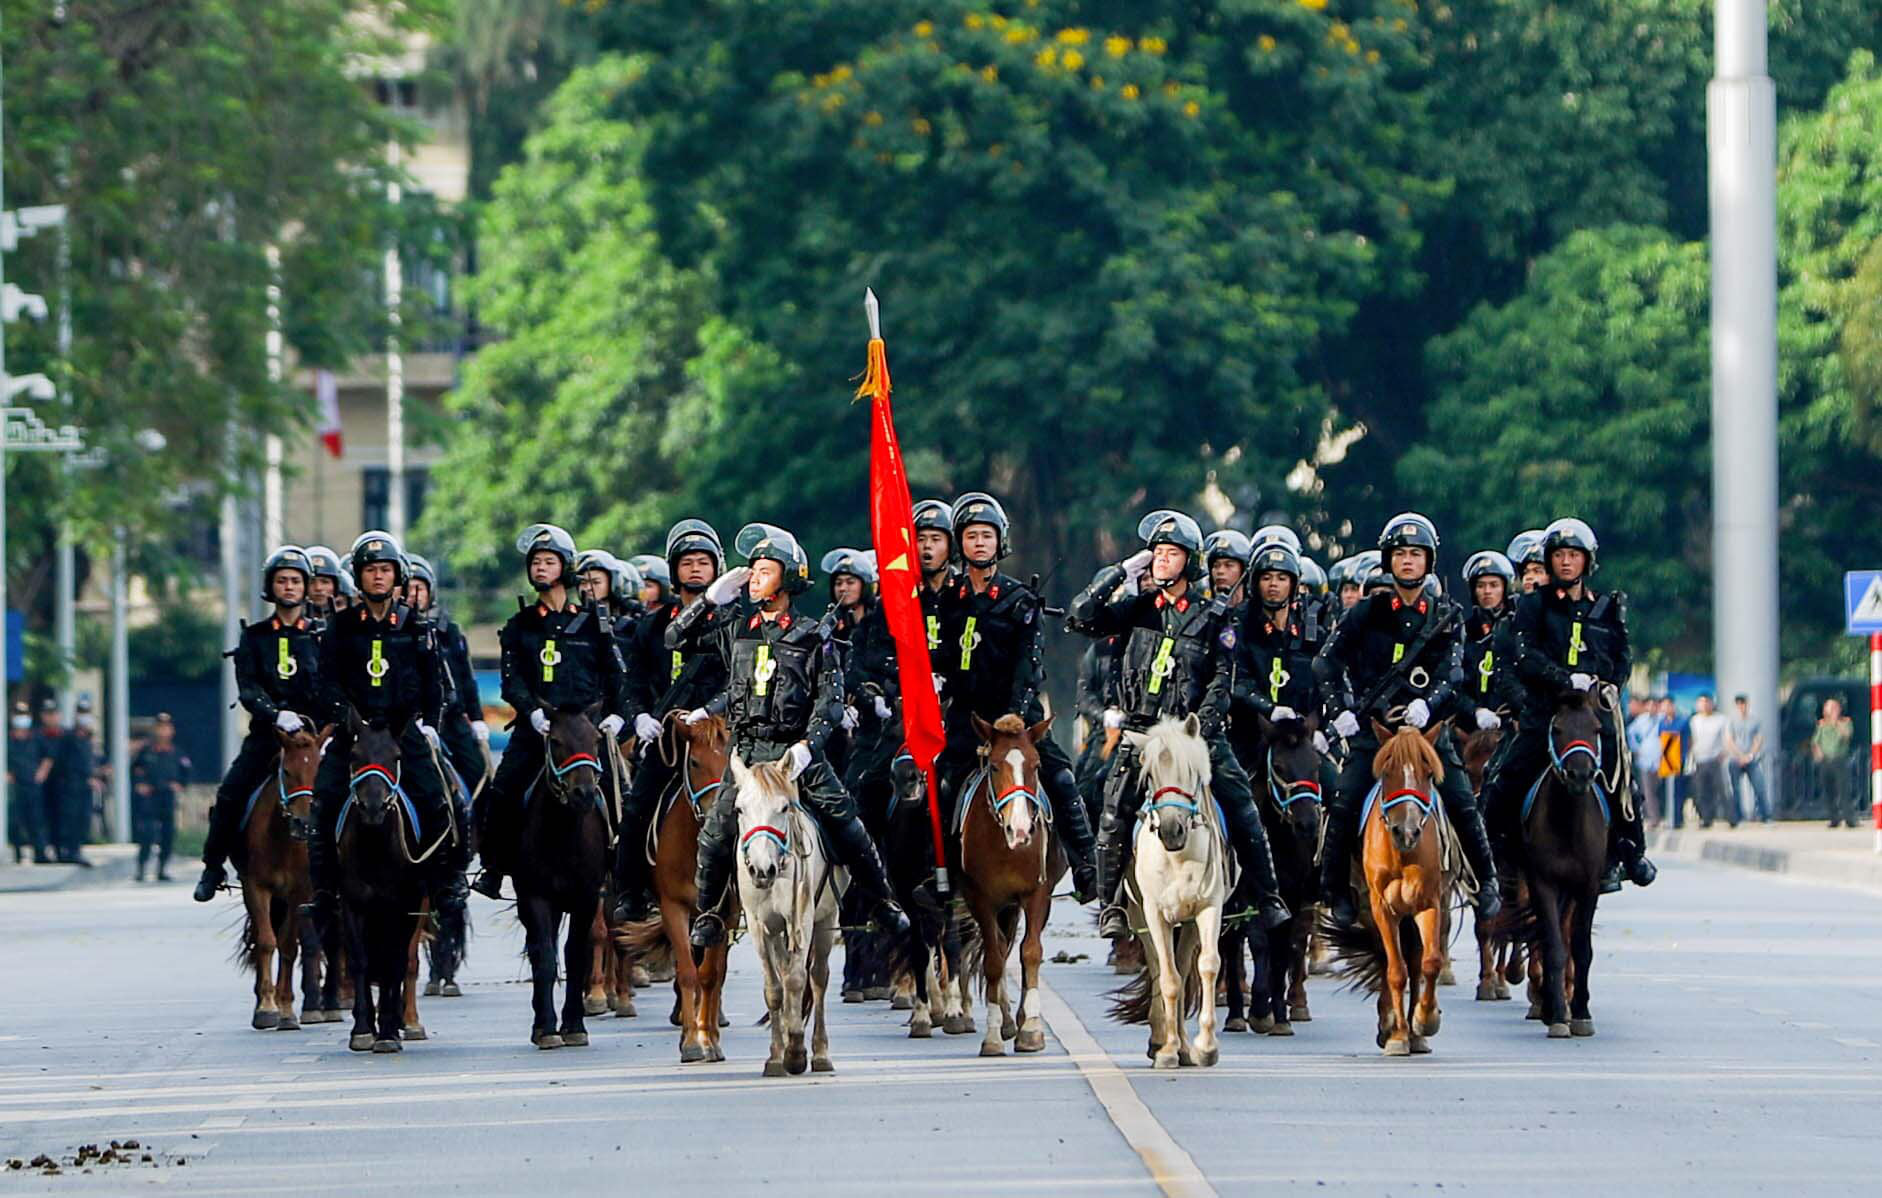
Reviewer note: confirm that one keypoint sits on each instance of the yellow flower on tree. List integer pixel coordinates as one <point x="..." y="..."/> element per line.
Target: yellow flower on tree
<point x="922" y="126"/>
<point x="1019" y="35"/>
<point x="1129" y="91"/>
<point x="975" y="21"/>
<point x="1313" y="5"/>
<point x="1074" y="37"/>
<point x="872" y="118"/>
<point x="1072" y="60"/>
<point x="990" y="73"/>
<point x="1152" y="45"/>
<point x="924" y="28"/>
<point x="1046" y="59"/>
<point x="1191" y="109"/>
<point x="1266" y="42"/>
<point x="1117" y="46"/>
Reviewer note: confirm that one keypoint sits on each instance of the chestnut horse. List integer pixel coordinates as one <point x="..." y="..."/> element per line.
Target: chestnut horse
<point x="1499" y="959"/>
<point x="274" y="876"/>
<point x="1008" y="861"/>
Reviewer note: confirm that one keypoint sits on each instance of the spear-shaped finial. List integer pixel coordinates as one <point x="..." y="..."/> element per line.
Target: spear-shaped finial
<point x="875" y="314"/>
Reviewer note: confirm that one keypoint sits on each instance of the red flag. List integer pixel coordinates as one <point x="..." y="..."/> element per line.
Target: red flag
<point x="892" y="525"/>
<point x="326" y="393"/>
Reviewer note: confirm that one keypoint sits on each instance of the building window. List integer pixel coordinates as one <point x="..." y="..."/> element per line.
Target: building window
<point x="376" y="488"/>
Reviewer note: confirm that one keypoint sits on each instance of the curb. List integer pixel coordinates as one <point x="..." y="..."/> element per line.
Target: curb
<point x="109" y="868"/>
<point x="1845" y="868"/>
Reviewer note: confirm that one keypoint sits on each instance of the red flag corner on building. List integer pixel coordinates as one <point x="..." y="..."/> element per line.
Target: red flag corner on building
<point x="892" y="527"/>
<point x="327" y="395"/>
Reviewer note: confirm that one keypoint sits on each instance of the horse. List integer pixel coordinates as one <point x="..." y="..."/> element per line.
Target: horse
<point x="1560" y="857"/>
<point x="701" y="751"/>
<point x="1402" y="865"/>
<point x="1007" y="861"/>
<point x="1287" y="775"/>
<point x="1179" y="881"/>
<point x="383" y="892"/>
<point x="1499" y="959"/>
<point x="274" y="877"/>
<point x="561" y="863"/>
<point x="789" y="890"/>
<point x="925" y="963"/>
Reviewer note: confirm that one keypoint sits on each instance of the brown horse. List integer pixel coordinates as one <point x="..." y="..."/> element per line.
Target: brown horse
<point x="1008" y="861"/>
<point x="1499" y="959"/>
<point x="274" y="877"/>
<point x="702" y="751"/>
<point x="1402" y="867"/>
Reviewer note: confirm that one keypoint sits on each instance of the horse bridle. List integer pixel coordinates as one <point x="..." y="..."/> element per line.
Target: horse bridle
<point x="571" y="763"/>
<point x="1296" y="791"/>
<point x="298" y="828"/>
<point x="1559" y="760"/>
<point x="1427" y="805"/>
<point x="778" y="836"/>
<point x="1186" y="803"/>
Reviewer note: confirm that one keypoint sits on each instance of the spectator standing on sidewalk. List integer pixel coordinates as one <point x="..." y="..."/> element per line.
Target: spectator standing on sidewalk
<point x="1643" y="741"/>
<point x="157" y="772"/>
<point x="26" y="814"/>
<point x="1829" y="749"/>
<point x="1707" y="763"/>
<point x="1744" y="745"/>
<point x="1672" y="730"/>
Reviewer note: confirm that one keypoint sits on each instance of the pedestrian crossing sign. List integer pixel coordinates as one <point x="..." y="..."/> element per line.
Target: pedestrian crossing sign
<point x="1862" y="602"/>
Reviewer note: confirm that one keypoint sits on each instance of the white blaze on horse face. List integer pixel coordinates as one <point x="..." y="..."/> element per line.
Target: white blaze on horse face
<point x="1018" y="815"/>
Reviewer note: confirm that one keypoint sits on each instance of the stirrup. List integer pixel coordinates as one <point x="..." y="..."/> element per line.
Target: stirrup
<point x="1642" y="872"/>
<point x="708" y="929"/>
<point x="213" y="878"/>
<point x="1271" y="913"/>
<point x="489" y="883"/>
<point x="1341" y="911"/>
<point x="1114" y="923"/>
<point x="632" y="906"/>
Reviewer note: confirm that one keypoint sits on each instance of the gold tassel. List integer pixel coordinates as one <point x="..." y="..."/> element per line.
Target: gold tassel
<point x="876" y="376"/>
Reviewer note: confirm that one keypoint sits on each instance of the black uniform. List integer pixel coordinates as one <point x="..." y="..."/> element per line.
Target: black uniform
<point x="68" y="791"/>
<point x="1489" y="672"/>
<point x="870" y="673"/>
<point x="1271" y="665"/>
<point x="782" y="687"/>
<point x="389" y="672"/>
<point x="277" y="669"/>
<point x="463" y="705"/>
<point x="1171" y="664"/>
<point x="156" y="776"/>
<point x="1096" y="693"/>
<point x="556" y="661"/>
<point x="1384" y="654"/>
<point x="26" y="813"/>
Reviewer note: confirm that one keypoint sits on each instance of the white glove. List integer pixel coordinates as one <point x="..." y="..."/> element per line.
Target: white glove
<point x="1133" y="566"/>
<point x="800" y="759"/>
<point x="1282" y="712"/>
<point x="646" y="727"/>
<point x="939" y="682"/>
<point x="696" y="716"/>
<point x="428" y="732"/>
<point x="1113" y="719"/>
<point x="726" y="587"/>
<point x="1346" y="724"/>
<point x="1487" y="719"/>
<point x="1581" y="682"/>
<point x="287" y="721"/>
<point x="481" y="731"/>
<point x="883" y="710"/>
<point x="1417" y="713"/>
<point x="611" y="727"/>
<point x="539" y="722"/>
<point x="1320" y="745"/>
<point x="849" y="718"/>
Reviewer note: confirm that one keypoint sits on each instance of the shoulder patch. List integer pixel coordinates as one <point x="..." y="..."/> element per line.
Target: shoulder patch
<point x="1227" y="638"/>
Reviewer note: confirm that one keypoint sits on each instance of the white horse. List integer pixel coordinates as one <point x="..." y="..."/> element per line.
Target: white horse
<point x="789" y="891"/>
<point x="1179" y="881"/>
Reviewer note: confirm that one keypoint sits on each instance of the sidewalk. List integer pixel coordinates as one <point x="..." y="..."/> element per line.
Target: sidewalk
<point x="1809" y="850"/>
<point x="111" y="864"/>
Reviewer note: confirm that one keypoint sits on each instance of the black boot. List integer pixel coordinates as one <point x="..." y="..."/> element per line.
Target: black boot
<point x="633" y="898"/>
<point x="1476" y="843"/>
<point x="1336" y="880"/>
<point x="859" y="856"/>
<point x="1074" y="829"/>
<point x="1114" y="920"/>
<point x="1258" y="860"/>
<point x="211" y="881"/>
<point x="322" y="870"/>
<point x="711" y="877"/>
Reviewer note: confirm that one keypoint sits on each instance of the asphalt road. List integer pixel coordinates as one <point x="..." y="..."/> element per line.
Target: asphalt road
<point x="1739" y="1051"/>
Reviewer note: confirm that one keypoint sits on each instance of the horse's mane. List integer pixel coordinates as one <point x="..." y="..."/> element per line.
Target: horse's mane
<point x="771" y="775"/>
<point x="1407" y="748"/>
<point x="1190" y="753"/>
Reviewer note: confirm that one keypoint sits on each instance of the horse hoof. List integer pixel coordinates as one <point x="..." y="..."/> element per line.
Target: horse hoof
<point x="433" y="989"/>
<point x="1428" y="1027"/>
<point x="1263" y="1024"/>
<point x="993" y="1048"/>
<point x="1397" y="1048"/>
<point x="414" y="1031"/>
<point x="1165" y="1061"/>
<point x="1299" y="1014"/>
<point x="901" y="1002"/>
<point x="450" y="990"/>
<point x="1486" y="991"/>
<point x="1535" y="1011"/>
<point x="957" y="1025"/>
<point x="1420" y="1046"/>
<point x="852" y="997"/>
<point x="1446" y="977"/>
<point x="331" y="1015"/>
<point x="639" y="976"/>
<point x="386" y="1046"/>
<point x="594" y="1006"/>
<point x="795" y="1062"/>
<point x="548" y="1040"/>
<point x="1208" y="1057"/>
<point x="1581" y="1027"/>
<point x="1237" y="1024"/>
<point x="1281" y="1029"/>
<point x="1030" y="1040"/>
<point x="1008" y="1029"/>
<point x="1502" y="990"/>
<point x="288" y="1023"/>
<point x="360" y="1041"/>
<point x="575" y="1039"/>
<point x="1558" y="1031"/>
<point x="691" y="1054"/>
<point x="875" y="993"/>
<point x="625" y="1009"/>
<point x="724" y="1022"/>
<point x="821" y="1065"/>
<point x="774" y="1068"/>
<point x="921" y="1031"/>
<point x="264" y="1021"/>
<point x="715" y="1054"/>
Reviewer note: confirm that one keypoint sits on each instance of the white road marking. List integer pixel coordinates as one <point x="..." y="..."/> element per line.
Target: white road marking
<point x="1856" y="1042"/>
<point x="222" y="1123"/>
<point x="1170" y="1166"/>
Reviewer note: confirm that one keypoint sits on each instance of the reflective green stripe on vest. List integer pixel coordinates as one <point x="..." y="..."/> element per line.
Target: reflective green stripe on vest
<point x="969" y="638"/>
<point x="548" y="657"/>
<point x="934" y="633"/>
<point x="762" y="670"/>
<point x="1277" y="678"/>
<point x="1163" y="665"/>
<point x="1575" y="643"/>
<point x="678" y="661"/>
<point x="284" y="664"/>
<point x="1484" y="669"/>
<point x="376" y="668"/>
<point x="1398" y="652"/>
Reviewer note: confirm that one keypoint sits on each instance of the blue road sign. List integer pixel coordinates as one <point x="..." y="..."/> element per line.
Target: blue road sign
<point x="16" y="646"/>
<point x="1862" y="602"/>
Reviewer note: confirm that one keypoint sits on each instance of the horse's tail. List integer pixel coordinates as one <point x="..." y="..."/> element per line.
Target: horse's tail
<point x="1360" y="953"/>
<point x="973" y="951"/>
<point x="646" y="942"/>
<point x="1130" y="1003"/>
<point x="1519" y="923"/>
<point x="243" y="954"/>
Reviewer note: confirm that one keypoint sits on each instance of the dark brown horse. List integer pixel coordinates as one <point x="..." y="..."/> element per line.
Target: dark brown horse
<point x="1286" y="778"/>
<point x="274" y="877"/>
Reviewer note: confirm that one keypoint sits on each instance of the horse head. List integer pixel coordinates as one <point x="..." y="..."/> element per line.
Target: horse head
<point x="300" y="761"/>
<point x="1293" y="774"/>
<point x="1175" y="763"/>
<point x="766" y="796"/>
<point x="1013" y="759"/>
<point x="374" y="770"/>
<point x="572" y="758"/>
<point x="1408" y="769"/>
<point x="1575" y="743"/>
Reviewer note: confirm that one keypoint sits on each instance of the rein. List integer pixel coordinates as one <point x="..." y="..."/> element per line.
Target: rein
<point x="1296" y="791"/>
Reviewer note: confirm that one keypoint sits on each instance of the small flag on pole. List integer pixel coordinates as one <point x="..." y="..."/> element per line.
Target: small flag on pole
<point x="327" y="395"/>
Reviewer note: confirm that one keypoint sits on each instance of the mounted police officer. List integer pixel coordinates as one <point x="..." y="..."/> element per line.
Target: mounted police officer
<point x="663" y="679"/>
<point x="1271" y="653"/>
<point x="558" y="655"/>
<point x="277" y="679"/>
<point x="1171" y="664"/>
<point x="783" y="701"/>
<point x="463" y="731"/>
<point x="323" y="588"/>
<point x="1488" y="687"/>
<point x="934" y="548"/>
<point x="612" y="585"/>
<point x="1396" y="657"/>
<point x="1568" y="638"/>
<point x="379" y="663"/>
<point x="656" y="580"/>
<point x="1526" y="557"/>
<point x="1226" y="553"/>
<point x="992" y="658"/>
<point x="870" y="679"/>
